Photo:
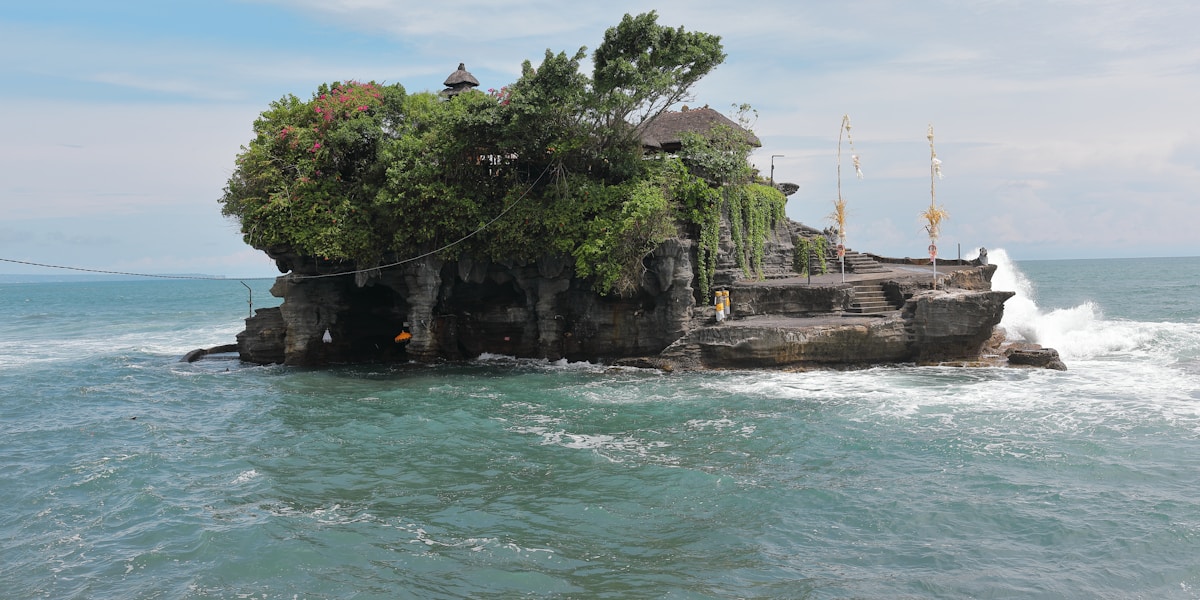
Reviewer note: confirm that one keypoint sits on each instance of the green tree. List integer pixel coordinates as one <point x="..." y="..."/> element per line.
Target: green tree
<point x="721" y="154"/>
<point x="367" y="174"/>
<point x="619" y="240"/>
<point x="308" y="180"/>
<point x="642" y="68"/>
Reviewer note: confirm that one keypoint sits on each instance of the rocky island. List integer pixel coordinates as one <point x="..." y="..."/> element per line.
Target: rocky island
<point x="883" y="313"/>
<point x="571" y="217"/>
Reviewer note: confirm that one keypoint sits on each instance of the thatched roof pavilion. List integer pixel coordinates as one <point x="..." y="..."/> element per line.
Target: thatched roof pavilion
<point x="664" y="132"/>
<point x="459" y="82"/>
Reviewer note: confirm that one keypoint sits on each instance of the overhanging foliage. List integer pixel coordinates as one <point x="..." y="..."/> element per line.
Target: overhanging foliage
<point x="366" y="173"/>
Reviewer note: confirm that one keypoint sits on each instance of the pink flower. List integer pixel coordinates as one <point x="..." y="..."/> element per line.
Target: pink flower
<point x="316" y="146"/>
<point x="362" y="108"/>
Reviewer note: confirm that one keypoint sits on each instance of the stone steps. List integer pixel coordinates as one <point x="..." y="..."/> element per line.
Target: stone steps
<point x="857" y="262"/>
<point x="869" y="299"/>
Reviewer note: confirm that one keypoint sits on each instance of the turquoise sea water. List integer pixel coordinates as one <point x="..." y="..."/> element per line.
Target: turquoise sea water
<point x="126" y="474"/>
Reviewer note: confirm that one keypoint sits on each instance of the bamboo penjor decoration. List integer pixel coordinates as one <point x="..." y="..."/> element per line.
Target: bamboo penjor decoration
<point x="934" y="215"/>
<point x="839" y="206"/>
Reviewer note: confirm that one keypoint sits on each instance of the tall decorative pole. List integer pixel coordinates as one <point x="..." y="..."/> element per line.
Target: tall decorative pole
<point x="839" y="206"/>
<point x="934" y="215"/>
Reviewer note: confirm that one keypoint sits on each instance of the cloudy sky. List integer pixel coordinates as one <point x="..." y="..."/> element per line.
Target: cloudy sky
<point x="1066" y="129"/>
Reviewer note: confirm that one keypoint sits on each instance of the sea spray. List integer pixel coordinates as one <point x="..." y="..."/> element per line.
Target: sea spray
<point x="1077" y="332"/>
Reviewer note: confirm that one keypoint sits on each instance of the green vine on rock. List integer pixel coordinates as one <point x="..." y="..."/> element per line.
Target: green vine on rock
<point x="735" y="204"/>
<point x="808" y="248"/>
<point x="719" y="157"/>
<point x="754" y="210"/>
<point x="699" y="204"/>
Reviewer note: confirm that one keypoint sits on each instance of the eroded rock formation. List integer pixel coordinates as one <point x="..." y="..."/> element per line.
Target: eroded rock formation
<point x="460" y="310"/>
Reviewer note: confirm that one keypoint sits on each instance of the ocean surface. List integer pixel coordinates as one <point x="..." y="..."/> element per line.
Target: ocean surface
<point x="127" y="474"/>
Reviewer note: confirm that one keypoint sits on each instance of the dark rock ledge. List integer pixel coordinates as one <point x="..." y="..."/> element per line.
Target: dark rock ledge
<point x="887" y="312"/>
<point x="1031" y="355"/>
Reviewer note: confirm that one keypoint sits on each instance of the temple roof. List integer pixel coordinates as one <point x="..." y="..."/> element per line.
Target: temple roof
<point x="664" y="132"/>
<point x="461" y="78"/>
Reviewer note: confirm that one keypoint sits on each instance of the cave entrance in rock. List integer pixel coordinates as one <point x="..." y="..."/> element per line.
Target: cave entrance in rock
<point x="489" y="317"/>
<point x="376" y="315"/>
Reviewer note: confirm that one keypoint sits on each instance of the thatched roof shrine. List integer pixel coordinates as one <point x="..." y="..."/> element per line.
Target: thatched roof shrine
<point x="459" y="81"/>
<point x="664" y="132"/>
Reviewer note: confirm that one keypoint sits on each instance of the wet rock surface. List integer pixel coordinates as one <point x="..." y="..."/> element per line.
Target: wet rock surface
<point x="1032" y="355"/>
<point x="455" y="310"/>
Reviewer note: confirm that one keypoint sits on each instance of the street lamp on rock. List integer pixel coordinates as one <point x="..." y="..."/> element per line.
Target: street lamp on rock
<point x="773" y="157"/>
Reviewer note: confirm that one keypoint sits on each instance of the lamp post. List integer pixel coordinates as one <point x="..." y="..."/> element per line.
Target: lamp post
<point x="773" y="157"/>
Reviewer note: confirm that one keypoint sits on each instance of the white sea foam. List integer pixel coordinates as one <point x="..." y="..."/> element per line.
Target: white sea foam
<point x="614" y="448"/>
<point x="487" y="357"/>
<point x="1079" y="332"/>
<point x="339" y="515"/>
<point x="1118" y="393"/>
<point x="543" y="364"/>
<point x="175" y="342"/>
<point x="721" y="425"/>
<point x="245" y="477"/>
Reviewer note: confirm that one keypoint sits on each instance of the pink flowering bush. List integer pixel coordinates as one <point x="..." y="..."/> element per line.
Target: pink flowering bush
<point x="343" y="100"/>
<point x="309" y="176"/>
<point x="502" y="96"/>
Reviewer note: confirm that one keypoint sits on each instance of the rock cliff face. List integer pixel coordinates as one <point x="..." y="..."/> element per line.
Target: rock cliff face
<point x="933" y="326"/>
<point x="951" y="325"/>
<point x="460" y="310"/>
<point x="463" y="309"/>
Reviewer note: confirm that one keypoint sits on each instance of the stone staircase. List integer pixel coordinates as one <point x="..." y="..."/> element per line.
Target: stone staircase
<point x="868" y="299"/>
<point x="857" y="262"/>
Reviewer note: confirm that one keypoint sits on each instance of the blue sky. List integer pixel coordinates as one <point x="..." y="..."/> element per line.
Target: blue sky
<point x="1067" y="129"/>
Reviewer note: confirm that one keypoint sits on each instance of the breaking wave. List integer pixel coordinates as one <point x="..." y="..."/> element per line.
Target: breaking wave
<point x="1082" y="331"/>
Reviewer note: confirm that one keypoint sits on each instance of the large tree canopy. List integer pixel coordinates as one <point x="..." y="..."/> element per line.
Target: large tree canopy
<point x="643" y="68"/>
<point x="365" y="173"/>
